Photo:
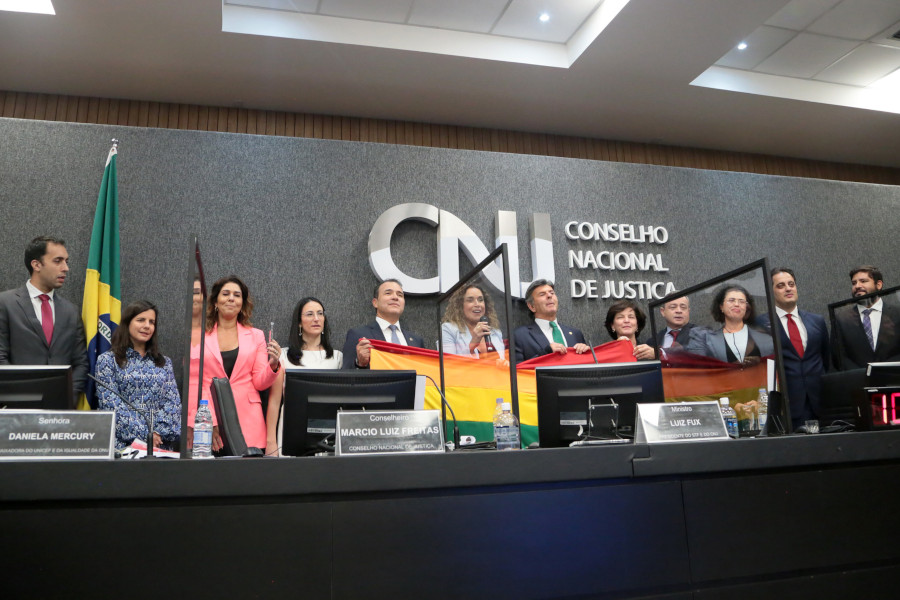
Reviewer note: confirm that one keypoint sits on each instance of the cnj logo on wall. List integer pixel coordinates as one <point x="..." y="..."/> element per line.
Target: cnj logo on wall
<point x="452" y="236"/>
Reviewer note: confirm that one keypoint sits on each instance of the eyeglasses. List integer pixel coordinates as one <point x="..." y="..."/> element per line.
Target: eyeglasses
<point x="310" y="315"/>
<point x="739" y="301"/>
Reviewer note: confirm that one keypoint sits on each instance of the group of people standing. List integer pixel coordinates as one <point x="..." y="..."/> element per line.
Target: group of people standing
<point x="37" y="327"/>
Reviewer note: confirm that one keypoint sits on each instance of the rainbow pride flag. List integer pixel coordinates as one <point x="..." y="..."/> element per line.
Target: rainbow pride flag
<point x="472" y="385"/>
<point x="101" y="308"/>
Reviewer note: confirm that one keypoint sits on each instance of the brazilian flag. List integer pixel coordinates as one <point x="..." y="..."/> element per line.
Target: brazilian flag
<point x="101" y="309"/>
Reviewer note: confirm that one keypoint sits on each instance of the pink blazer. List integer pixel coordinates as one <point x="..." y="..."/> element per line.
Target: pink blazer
<point x="251" y="373"/>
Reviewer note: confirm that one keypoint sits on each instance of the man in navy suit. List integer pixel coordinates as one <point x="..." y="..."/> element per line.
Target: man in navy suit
<point x="37" y="325"/>
<point x="868" y="331"/>
<point x="804" y="347"/>
<point x="389" y="302"/>
<point x="677" y="315"/>
<point x="545" y="335"/>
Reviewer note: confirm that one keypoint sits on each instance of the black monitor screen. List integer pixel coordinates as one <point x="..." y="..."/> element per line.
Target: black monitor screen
<point x="37" y="387"/>
<point x="578" y="401"/>
<point x="312" y="399"/>
<point x="883" y="374"/>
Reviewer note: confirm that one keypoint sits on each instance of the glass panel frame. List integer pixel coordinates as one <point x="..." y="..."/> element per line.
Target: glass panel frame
<point x="707" y="366"/>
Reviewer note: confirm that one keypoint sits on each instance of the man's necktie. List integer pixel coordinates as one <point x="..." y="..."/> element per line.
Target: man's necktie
<point x="674" y="333"/>
<point x="557" y="334"/>
<point x="867" y="325"/>
<point x="395" y="339"/>
<point x="794" y="334"/>
<point x="47" y="317"/>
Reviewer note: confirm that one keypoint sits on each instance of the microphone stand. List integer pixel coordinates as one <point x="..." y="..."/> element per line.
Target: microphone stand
<point x="447" y="404"/>
<point x="594" y="354"/>
<point x="148" y="415"/>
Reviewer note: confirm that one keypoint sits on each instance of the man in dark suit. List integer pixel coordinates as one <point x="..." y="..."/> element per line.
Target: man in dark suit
<point x="677" y="315"/>
<point x="389" y="302"/>
<point x="546" y="335"/>
<point x="804" y="347"/>
<point x="37" y="326"/>
<point x="868" y="331"/>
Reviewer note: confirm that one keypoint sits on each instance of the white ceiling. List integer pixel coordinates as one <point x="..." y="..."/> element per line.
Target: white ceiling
<point x="633" y="82"/>
<point x="835" y="49"/>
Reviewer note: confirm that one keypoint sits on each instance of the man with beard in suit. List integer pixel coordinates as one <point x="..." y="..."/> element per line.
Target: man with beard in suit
<point x="867" y="331"/>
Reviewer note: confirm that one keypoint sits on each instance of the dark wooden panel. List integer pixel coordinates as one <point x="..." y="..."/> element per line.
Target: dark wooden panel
<point x="181" y="116"/>
<point x="534" y="544"/>
<point x="242" y="551"/>
<point x="791" y="521"/>
<point x="869" y="583"/>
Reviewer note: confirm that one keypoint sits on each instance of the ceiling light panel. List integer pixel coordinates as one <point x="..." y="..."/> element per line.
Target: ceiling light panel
<point x="806" y="55"/>
<point x="800" y="14"/>
<point x="566" y="16"/>
<point x="387" y="11"/>
<point x="760" y="45"/>
<point x="306" y="6"/>
<point x="863" y="66"/>
<point x="463" y="15"/>
<point x="857" y="19"/>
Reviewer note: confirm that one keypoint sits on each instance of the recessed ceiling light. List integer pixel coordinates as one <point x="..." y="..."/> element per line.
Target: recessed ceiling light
<point x="742" y="46"/>
<point x="42" y="7"/>
<point x="544" y="17"/>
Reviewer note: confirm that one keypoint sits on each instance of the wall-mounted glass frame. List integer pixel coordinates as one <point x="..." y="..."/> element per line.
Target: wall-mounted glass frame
<point x="723" y="346"/>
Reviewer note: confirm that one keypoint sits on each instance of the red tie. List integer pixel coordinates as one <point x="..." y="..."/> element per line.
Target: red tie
<point x="794" y="334"/>
<point x="46" y="317"/>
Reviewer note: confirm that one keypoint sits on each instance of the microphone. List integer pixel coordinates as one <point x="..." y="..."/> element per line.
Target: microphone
<point x="484" y="319"/>
<point x="148" y="416"/>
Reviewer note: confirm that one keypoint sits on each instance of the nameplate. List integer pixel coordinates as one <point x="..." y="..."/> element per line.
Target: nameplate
<point x="388" y="432"/>
<point x="679" y="422"/>
<point x="56" y="435"/>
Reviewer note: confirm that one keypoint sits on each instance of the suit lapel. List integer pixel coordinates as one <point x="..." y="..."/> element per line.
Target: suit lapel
<point x="537" y="336"/>
<point x="246" y="350"/>
<point x="376" y="333"/>
<point x="212" y="346"/>
<point x="812" y="332"/>
<point x="887" y="331"/>
<point x="24" y="302"/>
<point x="718" y="341"/>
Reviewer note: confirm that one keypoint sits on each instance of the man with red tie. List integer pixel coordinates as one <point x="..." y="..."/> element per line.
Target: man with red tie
<point x="37" y="326"/>
<point x="804" y="347"/>
<point x="677" y="316"/>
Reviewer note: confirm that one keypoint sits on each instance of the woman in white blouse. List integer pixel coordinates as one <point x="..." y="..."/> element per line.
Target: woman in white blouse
<point x="309" y="347"/>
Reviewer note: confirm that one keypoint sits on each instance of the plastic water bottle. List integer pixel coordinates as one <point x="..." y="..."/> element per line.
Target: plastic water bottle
<point x="729" y="416"/>
<point x="203" y="427"/>
<point x="763" y="409"/>
<point x="506" y="429"/>
<point x="498" y="410"/>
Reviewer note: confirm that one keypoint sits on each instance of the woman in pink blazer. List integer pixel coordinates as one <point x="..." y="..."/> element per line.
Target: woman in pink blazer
<point x="234" y="349"/>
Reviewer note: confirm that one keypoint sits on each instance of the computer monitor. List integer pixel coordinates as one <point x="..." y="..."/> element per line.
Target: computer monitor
<point x="567" y="395"/>
<point x="47" y="387"/>
<point x="883" y="374"/>
<point x="312" y="399"/>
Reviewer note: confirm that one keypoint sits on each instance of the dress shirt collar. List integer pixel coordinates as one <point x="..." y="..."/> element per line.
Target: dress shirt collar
<point x="877" y="307"/>
<point x="33" y="292"/>
<point x="782" y="313"/>
<point x="385" y="329"/>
